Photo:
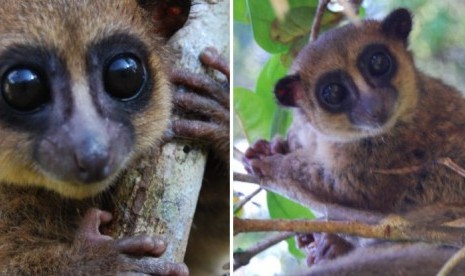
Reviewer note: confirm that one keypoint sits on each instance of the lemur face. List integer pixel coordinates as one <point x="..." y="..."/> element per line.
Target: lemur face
<point x="83" y="90"/>
<point x="354" y="81"/>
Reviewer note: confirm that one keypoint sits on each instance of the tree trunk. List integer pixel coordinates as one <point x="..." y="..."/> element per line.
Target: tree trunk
<point x="158" y="195"/>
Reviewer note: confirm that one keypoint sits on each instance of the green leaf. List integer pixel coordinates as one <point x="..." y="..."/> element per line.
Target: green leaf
<point x="309" y="3"/>
<point x="362" y="12"/>
<point x="261" y="17"/>
<point x="282" y="119"/>
<point x="269" y="76"/>
<point x="241" y="13"/>
<point x="254" y="114"/>
<point x="293" y="249"/>
<point x="276" y="36"/>
<point x="272" y="71"/>
<point x="434" y="31"/>
<point x="280" y="207"/>
<point x="295" y="25"/>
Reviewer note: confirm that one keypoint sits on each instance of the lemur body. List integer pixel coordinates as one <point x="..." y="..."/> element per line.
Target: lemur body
<point x="363" y="184"/>
<point x="363" y="112"/>
<point x="84" y="91"/>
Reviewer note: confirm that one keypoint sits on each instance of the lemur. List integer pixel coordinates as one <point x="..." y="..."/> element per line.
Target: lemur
<point x="85" y="89"/>
<point x="361" y="111"/>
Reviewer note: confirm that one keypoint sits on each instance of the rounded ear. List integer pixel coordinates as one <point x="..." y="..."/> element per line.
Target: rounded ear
<point x="398" y="24"/>
<point x="168" y="15"/>
<point x="288" y="90"/>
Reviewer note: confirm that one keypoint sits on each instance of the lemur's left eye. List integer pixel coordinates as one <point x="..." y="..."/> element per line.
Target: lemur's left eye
<point x="124" y="77"/>
<point x="379" y="64"/>
<point x="24" y="89"/>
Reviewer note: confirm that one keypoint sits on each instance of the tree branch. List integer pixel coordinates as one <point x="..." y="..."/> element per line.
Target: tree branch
<point x="243" y="258"/>
<point x="452" y="262"/>
<point x="320" y="11"/>
<point x="159" y="194"/>
<point x="249" y="178"/>
<point x="238" y="155"/>
<point x="392" y="228"/>
<point x="350" y="10"/>
<point x="241" y="203"/>
<point x="328" y="210"/>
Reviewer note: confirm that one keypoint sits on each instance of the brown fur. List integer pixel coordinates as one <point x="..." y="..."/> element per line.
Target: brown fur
<point x="429" y="119"/>
<point x="432" y="131"/>
<point x="38" y="227"/>
<point x="388" y="259"/>
<point x="337" y="160"/>
<point x="70" y="26"/>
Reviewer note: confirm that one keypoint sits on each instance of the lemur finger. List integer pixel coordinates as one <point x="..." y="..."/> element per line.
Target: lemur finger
<point x="201" y="85"/>
<point x="141" y="245"/>
<point x="210" y="57"/>
<point x="216" y="137"/>
<point x="197" y="106"/>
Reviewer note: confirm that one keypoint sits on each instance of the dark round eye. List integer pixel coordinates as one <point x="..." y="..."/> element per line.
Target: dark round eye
<point x="379" y="64"/>
<point x="124" y="77"/>
<point x="24" y="89"/>
<point x="333" y="95"/>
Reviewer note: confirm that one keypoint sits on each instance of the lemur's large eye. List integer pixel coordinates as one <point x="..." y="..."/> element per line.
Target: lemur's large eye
<point x="333" y="95"/>
<point x="379" y="64"/>
<point x="24" y="89"/>
<point x="124" y="77"/>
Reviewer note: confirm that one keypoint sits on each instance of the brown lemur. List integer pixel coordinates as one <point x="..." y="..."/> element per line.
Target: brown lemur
<point x="84" y="91"/>
<point x="362" y="111"/>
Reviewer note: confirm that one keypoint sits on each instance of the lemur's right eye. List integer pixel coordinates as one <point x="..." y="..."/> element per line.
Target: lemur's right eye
<point x="24" y="89"/>
<point x="124" y="77"/>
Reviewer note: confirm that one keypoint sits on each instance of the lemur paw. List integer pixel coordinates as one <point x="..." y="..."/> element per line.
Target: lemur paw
<point x="202" y="104"/>
<point x="255" y="155"/>
<point x="279" y="146"/>
<point x="137" y="254"/>
<point x="321" y="247"/>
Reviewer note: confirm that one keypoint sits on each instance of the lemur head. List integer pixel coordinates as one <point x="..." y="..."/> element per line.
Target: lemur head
<point x="354" y="81"/>
<point x="82" y="89"/>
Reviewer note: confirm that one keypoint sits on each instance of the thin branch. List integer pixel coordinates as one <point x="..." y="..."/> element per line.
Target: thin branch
<point x="393" y="228"/>
<point x="452" y="262"/>
<point x="249" y="178"/>
<point x="246" y="199"/>
<point x="328" y="210"/>
<point x="322" y="4"/>
<point x="238" y="155"/>
<point x="350" y="11"/>
<point x="452" y="165"/>
<point x="243" y="258"/>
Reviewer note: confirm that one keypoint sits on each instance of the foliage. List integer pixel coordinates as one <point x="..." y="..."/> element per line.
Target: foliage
<point x="258" y="114"/>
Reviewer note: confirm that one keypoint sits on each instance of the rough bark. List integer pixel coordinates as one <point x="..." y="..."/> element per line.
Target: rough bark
<point x="159" y="193"/>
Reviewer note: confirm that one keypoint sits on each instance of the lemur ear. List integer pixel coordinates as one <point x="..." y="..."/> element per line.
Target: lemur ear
<point x="288" y="90"/>
<point x="398" y="24"/>
<point x="168" y="15"/>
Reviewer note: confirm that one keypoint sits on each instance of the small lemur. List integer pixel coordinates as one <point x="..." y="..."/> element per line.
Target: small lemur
<point x="85" y="90"/>
<point x="361" y="111"/>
